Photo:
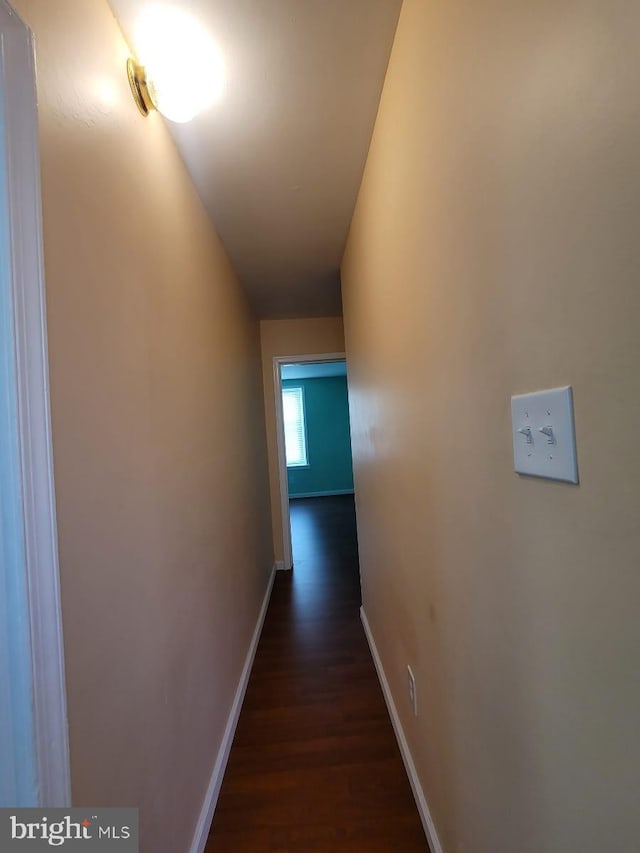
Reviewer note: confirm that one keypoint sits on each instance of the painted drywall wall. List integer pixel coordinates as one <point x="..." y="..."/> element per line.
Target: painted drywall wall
<point x="158" y="436"/>
<point x="494" y="250"/>
<point x="326" y="409"/>
<point x="309" y="336"/>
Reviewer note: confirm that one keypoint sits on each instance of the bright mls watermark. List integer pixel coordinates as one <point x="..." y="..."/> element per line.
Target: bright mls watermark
<point x="101" y="830"/>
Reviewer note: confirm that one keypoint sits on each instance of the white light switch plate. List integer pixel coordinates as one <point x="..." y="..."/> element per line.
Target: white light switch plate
<point x="544" y="442"/>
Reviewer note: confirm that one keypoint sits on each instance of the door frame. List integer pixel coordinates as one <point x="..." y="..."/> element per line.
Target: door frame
<point x="278" y="362"/>
<point x="33" y="490"/>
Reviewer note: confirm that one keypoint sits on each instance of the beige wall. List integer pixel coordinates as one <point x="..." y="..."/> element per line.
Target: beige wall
<point x="494" y="250"/>
<point x="158" y="437"/>
<point x="314" y="336"/>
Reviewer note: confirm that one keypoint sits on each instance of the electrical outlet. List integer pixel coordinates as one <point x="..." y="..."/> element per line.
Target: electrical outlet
<point x="413" y="695"/>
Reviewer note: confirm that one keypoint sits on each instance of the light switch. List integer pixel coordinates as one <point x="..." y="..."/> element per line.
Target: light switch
<point x="544" y="442"/>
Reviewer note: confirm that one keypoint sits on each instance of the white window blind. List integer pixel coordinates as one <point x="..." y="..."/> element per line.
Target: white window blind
<point x="294" y="430"/>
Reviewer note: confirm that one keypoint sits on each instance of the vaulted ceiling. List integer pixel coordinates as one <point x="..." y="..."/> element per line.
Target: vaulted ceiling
<point x="278" y="159"/>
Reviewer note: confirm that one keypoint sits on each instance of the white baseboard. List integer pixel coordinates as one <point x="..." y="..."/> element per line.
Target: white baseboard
<point x="416" y="787"/>
<point x="211" y="797"/>
<point x="278" y="566"/>
<point x="320" y="494"/>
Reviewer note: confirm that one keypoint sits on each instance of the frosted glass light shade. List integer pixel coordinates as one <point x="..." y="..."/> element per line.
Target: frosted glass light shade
<point x="183" y="66"/>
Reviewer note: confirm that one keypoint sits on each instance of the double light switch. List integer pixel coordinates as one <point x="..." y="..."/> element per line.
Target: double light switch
<point x="544" y="443"/>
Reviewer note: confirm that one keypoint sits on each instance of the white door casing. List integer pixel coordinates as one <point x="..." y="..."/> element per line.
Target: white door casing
<point x="37" y="740"/>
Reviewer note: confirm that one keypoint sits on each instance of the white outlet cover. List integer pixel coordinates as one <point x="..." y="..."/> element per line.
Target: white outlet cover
<point x="537" y="453"/>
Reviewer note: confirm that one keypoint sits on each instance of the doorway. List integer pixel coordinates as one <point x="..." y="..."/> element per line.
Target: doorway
<point x="314" y="444"/>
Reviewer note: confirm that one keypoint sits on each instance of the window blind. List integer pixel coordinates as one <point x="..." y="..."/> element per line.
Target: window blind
<point x="294" y="428"/>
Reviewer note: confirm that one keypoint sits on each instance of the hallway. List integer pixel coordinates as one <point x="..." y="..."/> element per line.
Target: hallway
<point x="315" y="765"/>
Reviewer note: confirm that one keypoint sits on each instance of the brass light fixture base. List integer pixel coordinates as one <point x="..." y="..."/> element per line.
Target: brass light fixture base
<point x="139" y="87"/>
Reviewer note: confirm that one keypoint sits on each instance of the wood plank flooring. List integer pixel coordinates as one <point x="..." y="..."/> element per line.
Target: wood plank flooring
<point x="315" y="765"/>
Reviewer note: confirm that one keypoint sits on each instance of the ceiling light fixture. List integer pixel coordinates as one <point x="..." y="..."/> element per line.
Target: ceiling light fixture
<point x="180" y="71"/>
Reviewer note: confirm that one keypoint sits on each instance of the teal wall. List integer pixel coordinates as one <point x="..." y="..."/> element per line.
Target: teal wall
<point x="328" y="439"/>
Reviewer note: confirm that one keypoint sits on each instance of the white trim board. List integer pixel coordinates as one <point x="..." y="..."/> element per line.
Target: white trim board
<point x="321" y="494"/>
<point x="215" y="783"/>
<point x="18" y="86"/>
<point x="421" y="802"/>
<point x="278" y="361"/>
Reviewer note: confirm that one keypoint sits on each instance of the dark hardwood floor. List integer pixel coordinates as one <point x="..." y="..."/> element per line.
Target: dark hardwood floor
<point x="315" y="765"/>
